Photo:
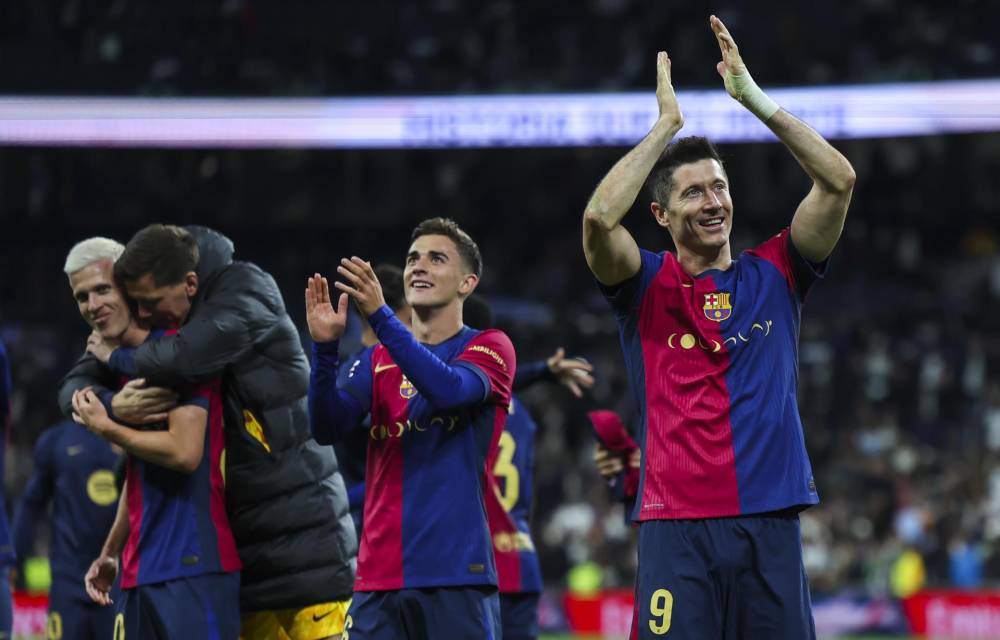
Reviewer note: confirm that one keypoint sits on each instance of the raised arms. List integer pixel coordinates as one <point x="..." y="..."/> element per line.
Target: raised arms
<point x="820" y="216"/>
<point x="611" y="251"/>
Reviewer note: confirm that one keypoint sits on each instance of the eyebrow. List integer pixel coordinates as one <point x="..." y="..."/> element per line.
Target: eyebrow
<point x="433" y="254"/>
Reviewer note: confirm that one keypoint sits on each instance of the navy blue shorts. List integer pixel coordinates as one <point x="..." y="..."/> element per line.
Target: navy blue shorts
<point x="73" y="616"/>
<point x="723" y="579"/>
<point x="443" y="613"/>
<point x="519" y="616"/>
<point x="199" y="608"/>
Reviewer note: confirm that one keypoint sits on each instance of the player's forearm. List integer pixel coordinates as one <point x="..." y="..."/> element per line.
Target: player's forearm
<point x="162" y="448"/>
<point x="829" y="169"/>
<point x="445" y="386"/>
<point x="618" y="190"/>
<point x="199" y="352"/>
<point x="529" y="373"/>
<point x="333" y="412"/>
<point x="27" y="514"/>
<point x="118" y="534"/>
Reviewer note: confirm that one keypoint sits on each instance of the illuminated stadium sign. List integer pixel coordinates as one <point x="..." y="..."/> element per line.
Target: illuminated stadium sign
<point x="859" y="111"/>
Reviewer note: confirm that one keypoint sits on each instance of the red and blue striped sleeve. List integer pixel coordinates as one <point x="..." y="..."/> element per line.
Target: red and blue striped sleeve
<point x="445" y="386"/>
<point x="491" y="353"/>
<point x="799" y="273"/>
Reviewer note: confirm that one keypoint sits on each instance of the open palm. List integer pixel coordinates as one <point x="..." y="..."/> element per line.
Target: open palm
<point x="99" y="579"/>
<point x="326" y="323"/>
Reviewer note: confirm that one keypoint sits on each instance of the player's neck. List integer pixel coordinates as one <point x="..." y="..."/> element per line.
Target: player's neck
<point x="694" y="262"/>
<point x="434" y="325"/>
<point x="135" y="335"/>
<point x="368" y="337"/>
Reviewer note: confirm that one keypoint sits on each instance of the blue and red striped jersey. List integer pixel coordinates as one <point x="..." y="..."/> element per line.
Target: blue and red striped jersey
<point x="713" y="363"/>
<point x="424" y="516"/>
<point x="508" y="503"/>
<point x="178" y="525"/>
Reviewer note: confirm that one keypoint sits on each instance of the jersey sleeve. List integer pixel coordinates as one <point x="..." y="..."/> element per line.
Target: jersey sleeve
<point x="800" y="274"/>
<point x="35" y="498"/>
<point x="491" y="356"/>
<point x="355" y="377"/>
<point x="198" y="395"/>
<point x="626" y="297"/>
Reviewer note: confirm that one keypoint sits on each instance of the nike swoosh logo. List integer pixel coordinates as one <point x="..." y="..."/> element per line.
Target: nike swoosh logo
<point x="317" y="618"/>
<point x="74" y="450"/>
<point x="379" y="368"/>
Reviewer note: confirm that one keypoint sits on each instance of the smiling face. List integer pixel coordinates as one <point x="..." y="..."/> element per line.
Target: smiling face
<point x="699" y="211"/>
<point x="435" y="273"/>
<point x="99" y="300"/>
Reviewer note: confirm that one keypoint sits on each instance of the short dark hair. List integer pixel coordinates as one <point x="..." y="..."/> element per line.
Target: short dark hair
<point x="467" y="247"/>
<point x="164" y="250"/>
<point x="391" y="279"/>
<point x="682" y="151"/>
<point x="476" y="312"/>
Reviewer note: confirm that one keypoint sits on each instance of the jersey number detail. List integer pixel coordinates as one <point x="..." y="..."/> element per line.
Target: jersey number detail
<point x="348" y="623"/>
<point x="505" y="468"/>
<point x="54" y="628"/>
<point x="661" y="605"/>
<point x="119" y="633"/>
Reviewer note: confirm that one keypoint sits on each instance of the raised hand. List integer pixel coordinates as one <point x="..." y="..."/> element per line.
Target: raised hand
<point x="326" y="324"/>
<point x="362" y="284"/>
<point x="670" y="111"/>
<point x="101" y="347"/>
<point x="572" y="373"/>
<point x="100" y="576"/>
<point x="608" y="464"/>
<point x="731" y="59"/>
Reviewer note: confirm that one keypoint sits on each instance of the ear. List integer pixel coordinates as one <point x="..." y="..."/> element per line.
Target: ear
<point x="191" y="283"/>
<point x="468" y="284"/>
<point x="660" y="214"/>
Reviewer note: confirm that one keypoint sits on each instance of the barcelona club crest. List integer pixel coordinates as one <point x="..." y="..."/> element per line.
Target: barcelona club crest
<point x="406" y="389"/>
<point x="717" y="306"/>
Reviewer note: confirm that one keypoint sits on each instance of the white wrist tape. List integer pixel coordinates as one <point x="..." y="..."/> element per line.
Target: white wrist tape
<point x="751" y="96"/>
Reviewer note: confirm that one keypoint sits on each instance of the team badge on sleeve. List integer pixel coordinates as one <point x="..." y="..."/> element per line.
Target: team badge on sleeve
<point x="717" y="306"/>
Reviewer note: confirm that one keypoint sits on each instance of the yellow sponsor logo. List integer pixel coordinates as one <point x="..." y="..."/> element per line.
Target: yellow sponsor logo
<point x="689" y="340"/>
<point x="399" y="429"/>
<point x="491" y="353"/>
<point x="101" y="488"/>
<point x="507" y="542"/>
